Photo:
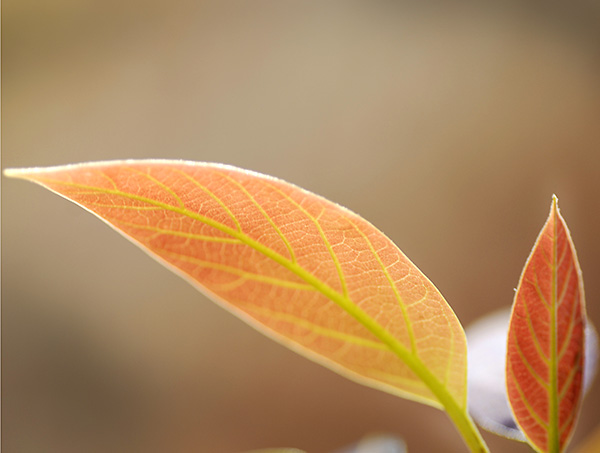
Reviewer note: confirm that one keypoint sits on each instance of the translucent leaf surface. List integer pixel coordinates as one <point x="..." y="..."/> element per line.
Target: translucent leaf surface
<point x="545" y="352"/>
<point x="303" y="270"/>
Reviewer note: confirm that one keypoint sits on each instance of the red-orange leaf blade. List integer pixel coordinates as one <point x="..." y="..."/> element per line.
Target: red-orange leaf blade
<point x="546" y="339"/>
<point x="303" y="270"/>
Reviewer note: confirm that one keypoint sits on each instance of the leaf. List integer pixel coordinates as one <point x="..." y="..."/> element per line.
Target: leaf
<point x="545" y="352"/>
<point x="488" y="400"/>
<point x="301" y="269"/>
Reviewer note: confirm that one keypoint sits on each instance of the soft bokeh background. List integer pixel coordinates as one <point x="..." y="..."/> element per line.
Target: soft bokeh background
<point x="447" y="126"/>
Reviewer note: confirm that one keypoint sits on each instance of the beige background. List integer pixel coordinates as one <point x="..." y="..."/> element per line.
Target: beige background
<point x="448" y="127"/>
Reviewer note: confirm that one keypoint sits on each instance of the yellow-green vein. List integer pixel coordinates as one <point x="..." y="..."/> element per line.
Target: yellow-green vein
<point x="320" y="330"/>
<point x="239" y="272"/>
<point x="569" y="333"/>
<point x="160" y="184"/>
<point x="211" y="195"/>
<point x="537" y="288"/>
<point x="531" y="370"/>
<point x="536" y="342"/>
<point x="407" y="323"/>
<point x="568" y="421"/>
<point x="525" y="401"/>
<point x="315" y="221"/>
<point x="565" y="288"/>
<point x="108" y="178"/>
<point x="553" y="409"/>
<point x="114" y="206"/>
<point x="264" y="213"/>
<point x="199" y="237"/>
<point x="567" y="384"/>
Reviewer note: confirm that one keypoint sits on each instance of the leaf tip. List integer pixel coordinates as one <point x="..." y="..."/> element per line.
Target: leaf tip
<point x="12" y="172"/>
<point x="34" y="173"/>
<point x="554" y="210"/>
<point x="22" y="173"/>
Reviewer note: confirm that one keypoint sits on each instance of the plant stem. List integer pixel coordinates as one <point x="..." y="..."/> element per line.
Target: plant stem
<point x="459" y="415"/>
<point x="463" y="422"/>
<point x="469" y="432"/>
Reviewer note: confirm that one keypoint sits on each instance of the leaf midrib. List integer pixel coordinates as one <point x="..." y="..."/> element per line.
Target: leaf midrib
<point x="553" y="419"/>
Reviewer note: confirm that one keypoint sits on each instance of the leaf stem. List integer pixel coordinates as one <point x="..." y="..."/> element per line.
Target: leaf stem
<point x="459" y="416"/>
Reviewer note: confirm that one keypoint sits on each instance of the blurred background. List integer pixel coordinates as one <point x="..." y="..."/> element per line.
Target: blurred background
<point x="448" y="126"/>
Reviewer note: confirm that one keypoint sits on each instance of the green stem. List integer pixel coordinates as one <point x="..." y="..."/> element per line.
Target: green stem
<point x="459" y="416"/>
<point x="469" y="432"/>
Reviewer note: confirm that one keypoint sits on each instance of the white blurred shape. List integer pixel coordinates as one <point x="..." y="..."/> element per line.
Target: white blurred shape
<point x="380" y="443"/>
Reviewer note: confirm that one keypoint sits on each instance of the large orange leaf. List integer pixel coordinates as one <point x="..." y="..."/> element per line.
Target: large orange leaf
<point x="545" y="353"/>
<point x="303" y="270"/>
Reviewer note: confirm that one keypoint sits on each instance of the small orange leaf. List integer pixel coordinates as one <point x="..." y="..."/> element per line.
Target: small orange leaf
<point x="301" y="269"/>
<point x="545" y="353"/>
